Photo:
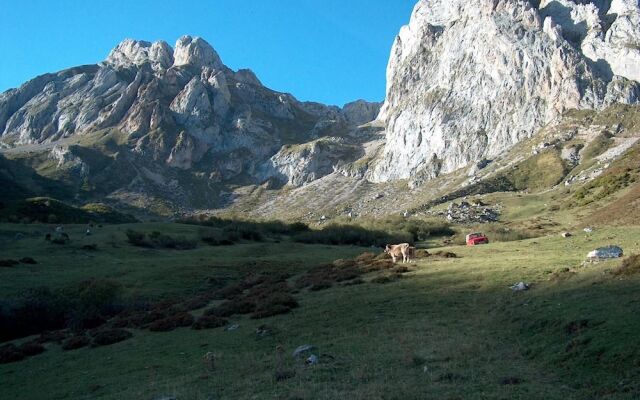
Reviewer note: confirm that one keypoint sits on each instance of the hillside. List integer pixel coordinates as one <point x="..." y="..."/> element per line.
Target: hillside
<point x="446" y="328"/>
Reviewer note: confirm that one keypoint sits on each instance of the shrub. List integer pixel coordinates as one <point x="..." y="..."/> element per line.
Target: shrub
<point x="92" y="303"/>
<point x="31" y="348"/>
<point x="209" y="322"/>
<point x="196" y="302"/>
<point x="8" y="263"/>
<point x="630" y="266"/>
<point x="232" y="307"/>
<point x="383" y="279"/>
<point x="173" y="322"/>
<point x="10" y="353"/>
<point x="34" y="311"/>
<point x="159" y="240"/>
<point x="75" y="342"/>
<point x="322" y="285"/>
<point x="84" y="305"/>
<point x="269" y="311"/>
<point x="137" y="238"/>
<point x="352" y="235"/>
<point x="234" y="230"/>
<point x="52" y="337"/>
<point x="110" y="336"/>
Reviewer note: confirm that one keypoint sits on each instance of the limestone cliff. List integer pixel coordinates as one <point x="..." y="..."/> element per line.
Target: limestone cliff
<point x="467" y="79"/>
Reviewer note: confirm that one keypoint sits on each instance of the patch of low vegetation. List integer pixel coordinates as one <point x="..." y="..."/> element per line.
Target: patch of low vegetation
<point x="366" y="232"/>
<point x="248" y="230"/>
<point x="159" y="240"/>
<point x="598" y="146"/>
<point x="541" y="171"/>
<point x="209" y="322"/>
<point x="630" y="266"/>
<point x="80" y="306"/>
<point x="621" y="174"/>
<point x="352" y="235"/>
<point x="11" y="353"/>
<point x="108" y="337"/>
<point x="76" y="342"/>
<point x="261" y="296"/>
<point x="179" y="320"/>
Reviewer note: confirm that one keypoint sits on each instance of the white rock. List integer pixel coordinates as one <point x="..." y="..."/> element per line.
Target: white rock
<point x="468" y="79"/>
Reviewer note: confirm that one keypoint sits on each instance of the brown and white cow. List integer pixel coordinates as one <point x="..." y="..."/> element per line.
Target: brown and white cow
<point x="403" y="249"/>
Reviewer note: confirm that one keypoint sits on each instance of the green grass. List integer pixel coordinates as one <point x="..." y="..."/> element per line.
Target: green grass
<point x="449" y="329"/>
<point x="598" y="146"/>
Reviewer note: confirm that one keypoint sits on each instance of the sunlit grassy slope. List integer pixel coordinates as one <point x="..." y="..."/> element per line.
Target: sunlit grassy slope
<point x="450" y="329"/>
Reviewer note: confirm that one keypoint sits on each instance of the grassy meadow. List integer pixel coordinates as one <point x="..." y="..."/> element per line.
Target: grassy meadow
<point x="449" y="328"/>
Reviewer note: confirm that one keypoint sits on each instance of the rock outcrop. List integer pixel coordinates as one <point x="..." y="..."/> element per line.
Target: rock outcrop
<point x="467" y="79"/>
<point x="180" y="108"/>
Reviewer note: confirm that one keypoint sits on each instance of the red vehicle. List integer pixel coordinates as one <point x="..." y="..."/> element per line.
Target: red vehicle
<point x="474" y="239"/>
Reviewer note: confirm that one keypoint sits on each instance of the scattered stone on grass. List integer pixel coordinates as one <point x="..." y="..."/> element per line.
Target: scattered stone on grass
<point x="311" y="360"/>
<point x="301" y="350"/>
<point x="566" y="234"/>
<point x="520" y="286"/>
<point x="233" y="327"/>
<point x="209" y="361"/>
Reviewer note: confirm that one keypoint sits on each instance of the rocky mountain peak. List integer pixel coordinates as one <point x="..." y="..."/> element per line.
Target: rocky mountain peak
<point x="137" y="52"/>
<point x="196" y="52"/>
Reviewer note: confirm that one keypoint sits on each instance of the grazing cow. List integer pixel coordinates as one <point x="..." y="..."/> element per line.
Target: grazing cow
<point x="397" y="250"/>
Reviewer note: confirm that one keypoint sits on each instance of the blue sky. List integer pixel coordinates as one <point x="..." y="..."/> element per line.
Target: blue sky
<point x="332" y="51"/>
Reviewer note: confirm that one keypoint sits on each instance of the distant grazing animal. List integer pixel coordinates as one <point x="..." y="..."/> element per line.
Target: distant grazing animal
<point x="397" y="250"/>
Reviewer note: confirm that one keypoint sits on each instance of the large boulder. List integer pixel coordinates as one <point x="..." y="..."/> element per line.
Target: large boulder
<point x="606" y="252"/>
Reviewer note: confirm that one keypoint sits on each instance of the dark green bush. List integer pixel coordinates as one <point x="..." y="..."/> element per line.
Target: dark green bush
<point x="80" y="306"/>
<point x="159" y="240"/>
<point x="110" y="336"/>
<point x="352" y="235"/>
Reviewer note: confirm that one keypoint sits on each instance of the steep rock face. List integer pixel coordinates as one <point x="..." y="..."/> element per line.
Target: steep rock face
<point x="177" y="107"/>
<point x="467" y="79"/>
<point x="298" y="165"/>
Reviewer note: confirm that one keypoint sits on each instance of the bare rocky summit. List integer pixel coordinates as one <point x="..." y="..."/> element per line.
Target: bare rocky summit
<point x="182" y="108"/>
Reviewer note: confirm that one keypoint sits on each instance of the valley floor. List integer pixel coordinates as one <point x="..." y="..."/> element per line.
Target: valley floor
<point x="451" y="328"/>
